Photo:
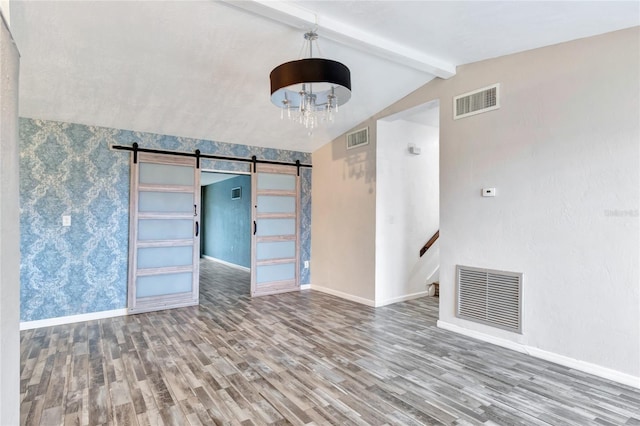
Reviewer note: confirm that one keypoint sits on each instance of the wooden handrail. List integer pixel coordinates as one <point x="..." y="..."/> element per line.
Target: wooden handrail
<point x="429" y="243"/>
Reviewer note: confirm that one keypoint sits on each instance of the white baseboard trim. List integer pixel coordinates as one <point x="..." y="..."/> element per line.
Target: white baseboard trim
<point x="233" y="265"/>
<point x="49" y="322"/>
<point x="587" y="367"/>
<point x="402" y="298"/>
<point x="342" y="295"/>
<point x="305" y="286"/>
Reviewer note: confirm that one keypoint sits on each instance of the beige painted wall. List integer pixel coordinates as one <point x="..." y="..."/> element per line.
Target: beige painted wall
<point x="10" y="231"/>
<point x="563" y="152"/>
<point x="343" y="220"/>
<point x="5" y="10"/>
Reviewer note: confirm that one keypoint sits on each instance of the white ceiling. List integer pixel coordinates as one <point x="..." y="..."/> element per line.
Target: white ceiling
<point x="201" y="68"/>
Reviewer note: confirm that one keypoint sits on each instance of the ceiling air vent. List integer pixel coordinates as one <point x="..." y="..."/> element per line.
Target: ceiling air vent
<point x="358" y="138"/>
<point x="490" y="297"/>
<point x="476" y="102"/>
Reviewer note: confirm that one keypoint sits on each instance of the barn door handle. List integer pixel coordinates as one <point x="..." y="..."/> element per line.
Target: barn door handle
<point x="255" y="227"/>
<point x="197" y="228"/>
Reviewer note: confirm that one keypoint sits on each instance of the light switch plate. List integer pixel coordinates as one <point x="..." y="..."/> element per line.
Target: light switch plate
<point x="66" y="220"/>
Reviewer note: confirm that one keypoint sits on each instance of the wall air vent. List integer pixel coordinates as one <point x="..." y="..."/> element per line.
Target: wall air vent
<point x="476" y="102"/>
<point x="358" y="138"/>
<point x="490" y="297"/>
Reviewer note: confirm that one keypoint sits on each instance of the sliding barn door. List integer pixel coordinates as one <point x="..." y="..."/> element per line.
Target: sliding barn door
<point x="164" y="242"/>
<point x="275" y="242"/>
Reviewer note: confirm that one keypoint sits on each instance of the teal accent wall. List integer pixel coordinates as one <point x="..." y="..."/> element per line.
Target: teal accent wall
<point x="69" y="169"/>
<point x="226" y="222"/>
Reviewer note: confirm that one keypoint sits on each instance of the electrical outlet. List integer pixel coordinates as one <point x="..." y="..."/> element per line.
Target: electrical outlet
<point x="66" y="220"/>
<point x="306" y="264"/>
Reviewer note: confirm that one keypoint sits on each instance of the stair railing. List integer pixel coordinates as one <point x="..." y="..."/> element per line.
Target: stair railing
<point x="429" y="243"/>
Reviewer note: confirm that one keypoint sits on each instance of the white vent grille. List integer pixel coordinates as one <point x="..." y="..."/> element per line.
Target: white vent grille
<point x="476" y="102"/>
<point x="358" y="138"/>
<point x="490" y="297"/>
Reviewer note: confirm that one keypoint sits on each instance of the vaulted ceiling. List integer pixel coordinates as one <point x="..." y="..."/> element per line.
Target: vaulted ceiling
<point x="201" y="68"/>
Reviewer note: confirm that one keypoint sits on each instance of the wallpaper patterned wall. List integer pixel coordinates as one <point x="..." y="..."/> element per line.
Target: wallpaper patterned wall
<point x="69" y="169"/>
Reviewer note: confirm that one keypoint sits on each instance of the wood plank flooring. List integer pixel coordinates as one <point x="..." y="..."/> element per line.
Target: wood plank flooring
<point x="298" y="358"/>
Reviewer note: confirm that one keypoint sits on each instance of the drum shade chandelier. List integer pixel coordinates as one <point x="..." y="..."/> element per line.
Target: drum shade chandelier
<point x="310" y="90"/>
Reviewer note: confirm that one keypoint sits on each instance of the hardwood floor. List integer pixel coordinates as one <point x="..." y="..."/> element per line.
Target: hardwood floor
<point x="297" y="358"/>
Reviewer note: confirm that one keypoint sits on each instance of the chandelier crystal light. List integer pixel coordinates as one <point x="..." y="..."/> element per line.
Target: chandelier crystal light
<point x="310" y="90"/>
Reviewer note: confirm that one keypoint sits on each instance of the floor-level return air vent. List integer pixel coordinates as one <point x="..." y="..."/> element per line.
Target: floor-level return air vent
<point x="490" y="297"/>
<point x="358" y="138"/>
<point x="481" y="100"/>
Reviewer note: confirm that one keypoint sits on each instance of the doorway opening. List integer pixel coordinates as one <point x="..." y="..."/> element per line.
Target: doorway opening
<point x="225" y="241"/>
<point x="407" y="202"/>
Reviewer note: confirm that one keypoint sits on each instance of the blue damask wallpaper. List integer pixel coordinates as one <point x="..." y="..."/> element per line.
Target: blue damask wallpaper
<point x="225" y="231"/>
<point x="69" y="169"/>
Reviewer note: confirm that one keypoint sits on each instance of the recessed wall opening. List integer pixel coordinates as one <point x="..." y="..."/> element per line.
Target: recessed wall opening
<point x="225" y="240"/>
<point x="407" y="203"/>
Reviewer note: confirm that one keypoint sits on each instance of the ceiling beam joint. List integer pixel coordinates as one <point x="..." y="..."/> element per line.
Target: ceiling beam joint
<point x="295" y="16"/>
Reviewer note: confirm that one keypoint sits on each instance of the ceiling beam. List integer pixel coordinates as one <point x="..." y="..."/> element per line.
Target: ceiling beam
<point x="298" y="17"/>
